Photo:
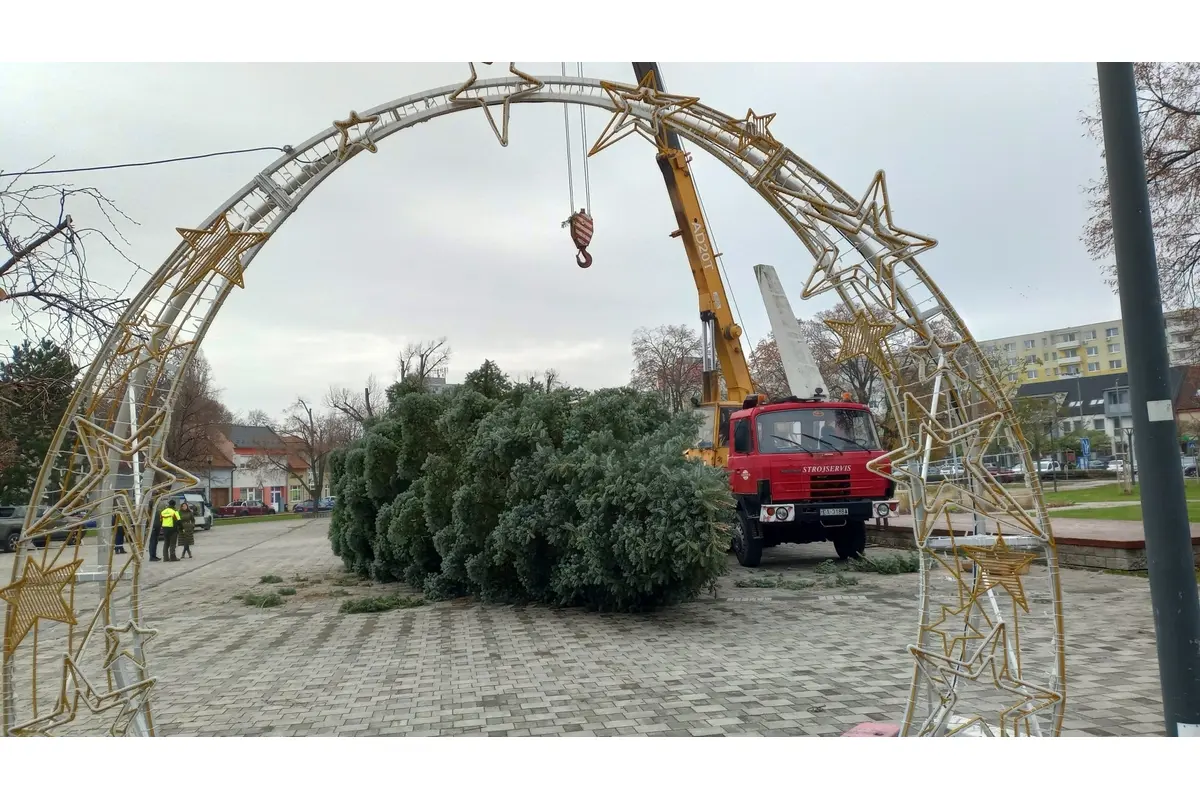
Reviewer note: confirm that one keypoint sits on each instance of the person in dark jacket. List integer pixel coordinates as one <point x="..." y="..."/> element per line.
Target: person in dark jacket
<point x="155" y="532"/>
<point x="187" y="529"/>
<point x="119" y="542"/>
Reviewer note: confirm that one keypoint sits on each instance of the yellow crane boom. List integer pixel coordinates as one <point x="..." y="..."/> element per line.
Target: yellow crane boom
<point x="720" y="335"/>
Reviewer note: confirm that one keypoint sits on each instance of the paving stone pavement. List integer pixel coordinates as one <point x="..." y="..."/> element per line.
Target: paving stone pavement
<point x="748" y="662"/>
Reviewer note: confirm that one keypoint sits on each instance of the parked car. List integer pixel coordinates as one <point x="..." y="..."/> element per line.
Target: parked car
<point x="1001" y="474"/>
<point x="12" y="520"/>
<point x="303" y="507"/>
<point x="204" y="512"/>
<point x="326" y="504"/>
<point x="245" y="508"/>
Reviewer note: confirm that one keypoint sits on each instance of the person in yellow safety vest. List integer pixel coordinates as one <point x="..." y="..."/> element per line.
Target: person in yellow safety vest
<point x="170" y="526"/>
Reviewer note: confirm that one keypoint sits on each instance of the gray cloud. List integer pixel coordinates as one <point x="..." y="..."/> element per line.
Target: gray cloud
<point x="443" y="232"/>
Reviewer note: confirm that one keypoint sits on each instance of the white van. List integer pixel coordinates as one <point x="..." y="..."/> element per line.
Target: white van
<point x="204" y="512"/>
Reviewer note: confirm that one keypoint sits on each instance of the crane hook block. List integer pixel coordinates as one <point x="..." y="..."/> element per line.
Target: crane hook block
<point x="581" y="234"/>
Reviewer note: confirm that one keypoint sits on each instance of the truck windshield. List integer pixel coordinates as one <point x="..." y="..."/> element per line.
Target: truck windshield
<point x="816" y="430"/>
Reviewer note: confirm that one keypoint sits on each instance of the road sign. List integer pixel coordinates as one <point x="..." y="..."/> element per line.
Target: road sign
<point x="1085" y="448"/>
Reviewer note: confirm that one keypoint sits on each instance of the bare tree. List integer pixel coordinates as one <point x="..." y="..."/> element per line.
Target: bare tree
<point x="666" y="360"/>
<point x="1169" y="103"/>
<point x="44" y="279"/>
<point x="199" y="416"/>
<point x="256" y="417"/>
<point x="309" y="438"/>
<point x="420" y="361"/>
<point x="358" y="408"/>
<point x="766" y="369"/>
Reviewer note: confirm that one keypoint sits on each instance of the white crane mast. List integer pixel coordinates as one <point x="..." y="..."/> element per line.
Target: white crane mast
<point x="803" y="377"/>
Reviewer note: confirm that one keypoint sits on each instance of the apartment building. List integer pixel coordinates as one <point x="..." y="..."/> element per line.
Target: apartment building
<point x="1093" y="350"/>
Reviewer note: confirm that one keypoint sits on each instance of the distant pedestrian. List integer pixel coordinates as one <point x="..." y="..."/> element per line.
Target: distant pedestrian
<point x="155" y="534"/>
<point x="119" y="543"/>
<point x="187" y="528"/>
<point x="170" y="526"/>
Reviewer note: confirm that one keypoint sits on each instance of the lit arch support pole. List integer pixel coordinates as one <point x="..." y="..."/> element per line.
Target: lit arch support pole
<point x="1169" y="554"/>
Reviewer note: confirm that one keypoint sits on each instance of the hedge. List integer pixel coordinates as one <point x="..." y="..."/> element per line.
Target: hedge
<point x="567" y="498"/>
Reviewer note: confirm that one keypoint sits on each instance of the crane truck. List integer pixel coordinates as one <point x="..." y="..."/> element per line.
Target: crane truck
<point x="798" y="466"/>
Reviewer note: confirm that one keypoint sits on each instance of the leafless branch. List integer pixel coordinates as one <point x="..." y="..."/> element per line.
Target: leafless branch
<point x="423" y="360"/>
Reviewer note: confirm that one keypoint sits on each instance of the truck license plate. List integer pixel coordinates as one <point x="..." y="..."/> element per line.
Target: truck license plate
<point x="834" y="512"/>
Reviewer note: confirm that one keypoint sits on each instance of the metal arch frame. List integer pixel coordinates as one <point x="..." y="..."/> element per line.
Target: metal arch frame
<point x="144" y="371"/>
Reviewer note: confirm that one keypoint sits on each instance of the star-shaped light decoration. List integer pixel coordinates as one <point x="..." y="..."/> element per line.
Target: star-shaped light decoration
<point x="955" y="641"/>
<point x="754" y="130"/>
<point x="37" y="595"/>
<point x="872" y="217"/>
<point x="348" y="148"/>
<point x="1001" y="566"/>
<point x="216" y="249"/>
<point x="951" y="366"/>
<point x="529" y="85"/>
<point x="148" y="336"/>
<point x="624" y="121"/>
<point x="75" y="687"/>
<point x="112" y="640"/>
<point x="862" y="335"/>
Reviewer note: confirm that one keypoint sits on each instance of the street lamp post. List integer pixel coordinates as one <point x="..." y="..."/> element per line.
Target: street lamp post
<point x="1169" y="557"/>
<point x="210" y="480"/>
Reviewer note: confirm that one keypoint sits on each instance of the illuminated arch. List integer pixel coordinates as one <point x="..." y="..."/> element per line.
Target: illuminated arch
<point x="107" y="459"/>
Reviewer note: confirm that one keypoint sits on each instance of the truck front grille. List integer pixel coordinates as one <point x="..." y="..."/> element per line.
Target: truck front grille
<point x="829" y="487"/>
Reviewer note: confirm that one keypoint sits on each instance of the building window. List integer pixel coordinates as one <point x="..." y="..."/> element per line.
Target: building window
<point x="1072" y="370"/>
<point x="1115" y="347"/>
<point x="1114" y="364"/>
<point x="1012" y="362"/>
<point x="1045" y="357"/>
<point x="1093" y="366"/>
<point x="1111" y="331"/>
<point x="293" y="494"/>
<point x="1012" y="377"/>
<point x="1072" y="353"/>
<point x="252" y="494"/>
<point x="1045" y="341"/>
<point x="1067" y="337"/>
<point x="1030" y="344"/>
<point x="1098" y="424"/>
<point x="1010" y="346"/>
<point x="1093" y="351"/>
<point x="1054" y="356"/>
<point x="1056" y="371"/>
<point x="1031" y="373"/>
<point x="1090" y="335"/>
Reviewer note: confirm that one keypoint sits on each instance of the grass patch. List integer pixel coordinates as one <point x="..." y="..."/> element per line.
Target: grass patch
<point x="1110" y="493"/>
<point x="270" y="579"/>
<point x="375" y="605"/>
<point x="262" y="600"/>
<point x="1123" y="513"/>
<point x="249" y="520"/>
<point x="286" y="591"/>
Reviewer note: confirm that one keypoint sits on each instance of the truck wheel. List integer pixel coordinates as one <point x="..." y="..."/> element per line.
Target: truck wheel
<point x="10" y="541"/>
<point x="747" y="549"/>
<point x="851" y="542"/>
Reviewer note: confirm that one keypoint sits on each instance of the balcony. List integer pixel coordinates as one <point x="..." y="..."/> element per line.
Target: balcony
<point x="1117" y="409"/>
<point x="1069" y="360"/>
<point x="1071" y="345"/>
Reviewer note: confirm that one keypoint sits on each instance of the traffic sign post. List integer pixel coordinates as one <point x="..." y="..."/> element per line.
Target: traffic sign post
<point x="1085" y="451"/>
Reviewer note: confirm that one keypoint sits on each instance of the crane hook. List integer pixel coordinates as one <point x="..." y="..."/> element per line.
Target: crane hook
<point x="581" y="234"/>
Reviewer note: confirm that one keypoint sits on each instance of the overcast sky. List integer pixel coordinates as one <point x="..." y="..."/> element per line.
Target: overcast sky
<point x="445" y="233"/>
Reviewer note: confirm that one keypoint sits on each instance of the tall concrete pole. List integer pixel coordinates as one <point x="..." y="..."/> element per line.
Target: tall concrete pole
<point x="1169" y="553"/>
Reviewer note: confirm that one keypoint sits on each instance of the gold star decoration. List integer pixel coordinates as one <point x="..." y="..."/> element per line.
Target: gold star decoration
<point x="872" y="214"/>
<point x="624" y="121"/>
<point x="347" y="148"/>
<point x="501" y="131"/>
<point x="37" y="595"/>
<point x="948" y="349"/>
<point x="112" y="639"/>
<point x="145" y="334"/>
<point x="1001" y="566"/>
<point x="75" y="687"/>
<point x="217" y="249"/>
<point x="754" y="130"/>
<point x="955" y="641"/>
<point x="862" y="335"/>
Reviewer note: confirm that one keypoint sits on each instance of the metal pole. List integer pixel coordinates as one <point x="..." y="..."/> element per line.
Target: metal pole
<point x="1169" y="555"/>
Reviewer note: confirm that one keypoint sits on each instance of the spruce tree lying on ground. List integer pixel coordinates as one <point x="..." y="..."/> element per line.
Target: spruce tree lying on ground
<point x="518" y="495"/>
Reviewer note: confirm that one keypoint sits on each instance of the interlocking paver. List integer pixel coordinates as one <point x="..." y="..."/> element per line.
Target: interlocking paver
<point x="747" y="662"/>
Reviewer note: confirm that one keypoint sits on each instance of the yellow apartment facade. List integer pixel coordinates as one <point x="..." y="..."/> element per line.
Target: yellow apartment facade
<point x="1095" y="349"/>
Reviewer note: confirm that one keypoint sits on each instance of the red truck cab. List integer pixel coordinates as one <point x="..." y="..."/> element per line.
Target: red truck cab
<point x="798" y="470"/>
